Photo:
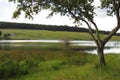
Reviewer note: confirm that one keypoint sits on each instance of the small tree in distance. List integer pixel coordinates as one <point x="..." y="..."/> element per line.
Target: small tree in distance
<point x="79" y="10"/>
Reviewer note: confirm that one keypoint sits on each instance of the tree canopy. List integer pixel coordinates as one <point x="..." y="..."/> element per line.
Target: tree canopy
<point x="76" y="9"/>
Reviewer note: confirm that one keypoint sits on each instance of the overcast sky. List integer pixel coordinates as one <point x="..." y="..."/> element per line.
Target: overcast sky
<point x="6" y="9"/>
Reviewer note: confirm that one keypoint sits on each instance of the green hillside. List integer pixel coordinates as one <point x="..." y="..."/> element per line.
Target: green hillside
<point x="45" y="34"/>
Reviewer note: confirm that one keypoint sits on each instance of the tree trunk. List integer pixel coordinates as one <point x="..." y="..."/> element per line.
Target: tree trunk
<point x="101" y="55"/>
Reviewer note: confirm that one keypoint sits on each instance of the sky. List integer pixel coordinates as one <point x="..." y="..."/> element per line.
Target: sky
<point x="6" y="10"/>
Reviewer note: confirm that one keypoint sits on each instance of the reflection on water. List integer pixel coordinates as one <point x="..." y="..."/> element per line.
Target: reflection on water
<point x="29" y="41"/>
<point x="110" y="47"/>
<point x="106" y="50"/>
<point x="114" y="46"/>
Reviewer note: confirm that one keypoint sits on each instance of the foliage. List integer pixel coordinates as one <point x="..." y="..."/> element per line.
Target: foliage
<point x="76" y="9"/>
<point x="9" y="25"/>
<point x="6" y="36"/>
<point x="11" y="68"/>
<point x="110" y="5"/>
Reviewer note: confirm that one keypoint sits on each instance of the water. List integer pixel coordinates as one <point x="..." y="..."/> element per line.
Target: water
<point x="106" y="50"/>
<point x="29" y="41"/>
<point x="110" y="47"/>
<point x="114" y="46"/>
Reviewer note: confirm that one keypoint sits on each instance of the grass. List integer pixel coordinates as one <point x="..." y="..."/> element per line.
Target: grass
<point x="44" y="34"/>
<point x="87" y="71"/>
<point x="38" y="64"/>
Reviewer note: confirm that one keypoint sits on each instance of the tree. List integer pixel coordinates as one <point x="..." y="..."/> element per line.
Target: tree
<point x="79" y="10"/>
<point x="113" y="8"/>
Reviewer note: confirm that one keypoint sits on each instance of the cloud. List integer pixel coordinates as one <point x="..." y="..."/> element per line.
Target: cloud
<point x="6" y="9"/>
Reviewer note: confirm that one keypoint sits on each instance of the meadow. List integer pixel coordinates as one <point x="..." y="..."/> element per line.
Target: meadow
<point x="22" y="34"/>
<point x="43" y="34"/>
<point x="56" y="62"/>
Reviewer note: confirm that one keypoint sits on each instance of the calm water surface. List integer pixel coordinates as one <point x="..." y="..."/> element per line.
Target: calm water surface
<point x="114" y="46"/>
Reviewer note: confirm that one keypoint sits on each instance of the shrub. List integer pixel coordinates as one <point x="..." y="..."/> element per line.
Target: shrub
<point x="12" y="68"/>
<point x="8" y="68"/>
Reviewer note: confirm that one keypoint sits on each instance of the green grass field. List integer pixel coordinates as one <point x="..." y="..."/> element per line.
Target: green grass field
<point x="44" y="34"/>
<point x="36" y="64"/>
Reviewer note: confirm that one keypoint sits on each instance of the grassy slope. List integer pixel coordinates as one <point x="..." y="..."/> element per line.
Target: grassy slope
<point x="44" y="34"/>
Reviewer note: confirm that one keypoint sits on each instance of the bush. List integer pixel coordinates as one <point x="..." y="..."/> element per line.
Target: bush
<point x="8" y="68"/>
<point x="7" y="36"/>
<point x="12" y="68"/>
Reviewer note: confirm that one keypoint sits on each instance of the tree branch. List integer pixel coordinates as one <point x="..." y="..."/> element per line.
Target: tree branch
<point x="90" y="29"/>
<point x="111" y="34"/>
<point x="97" y="30"/>
<point x="118" y="24"/>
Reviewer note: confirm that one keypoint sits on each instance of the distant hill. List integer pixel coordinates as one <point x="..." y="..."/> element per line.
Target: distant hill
<point x="9" y="25"/>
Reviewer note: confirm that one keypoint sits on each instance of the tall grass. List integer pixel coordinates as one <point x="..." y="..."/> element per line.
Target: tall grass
<point x="38" y="64"/>
<point x="17" y="62"/>
<point x="90" y="70"/>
